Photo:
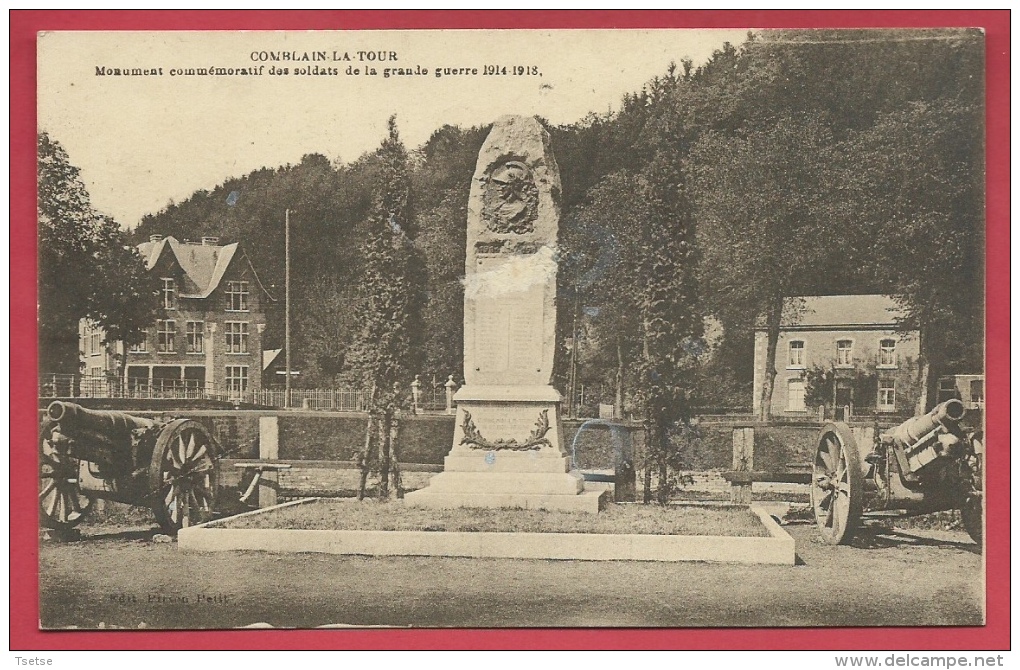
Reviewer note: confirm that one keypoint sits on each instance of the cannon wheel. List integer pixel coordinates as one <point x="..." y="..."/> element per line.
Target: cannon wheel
<point x="973" y="518"/>
<point x="837" y="484"/>
<point x="62" y="505"/>
<point x="183" y="475"/>
<point x="972" y="511"/>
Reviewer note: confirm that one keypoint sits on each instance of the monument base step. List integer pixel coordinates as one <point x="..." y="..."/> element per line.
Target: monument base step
<point x="587" y="501"/>
<point x="547" y="460"/>
<point x="529" y="483"/>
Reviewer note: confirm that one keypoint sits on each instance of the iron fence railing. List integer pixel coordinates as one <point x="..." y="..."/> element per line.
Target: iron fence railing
<point x="57" y="386"/>
<point x="84" y="386"/>
<point x="76" y="386"/>
<point x="335" y="399"/>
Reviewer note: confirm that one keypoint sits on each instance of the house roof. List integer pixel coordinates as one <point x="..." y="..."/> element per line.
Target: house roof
<point x="203" y="264"/>
<point x="843" y="312"/>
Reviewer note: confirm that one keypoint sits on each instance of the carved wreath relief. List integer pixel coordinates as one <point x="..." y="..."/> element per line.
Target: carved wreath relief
<point x="510" y="199"/>
<point x="473" y="438"/>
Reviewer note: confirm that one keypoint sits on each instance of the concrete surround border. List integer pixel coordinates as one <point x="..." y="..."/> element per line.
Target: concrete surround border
<point x="776" y="549"/>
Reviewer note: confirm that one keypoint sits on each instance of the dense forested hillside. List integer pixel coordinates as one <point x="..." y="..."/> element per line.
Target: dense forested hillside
<point x="799" y="162"/>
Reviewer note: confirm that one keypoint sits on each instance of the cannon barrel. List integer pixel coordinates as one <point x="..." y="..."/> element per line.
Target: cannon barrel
<point x="115" y="425"/>
<point x="912" y="430"/>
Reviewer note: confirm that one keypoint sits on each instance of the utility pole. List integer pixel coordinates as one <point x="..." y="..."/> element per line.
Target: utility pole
<point x="286" y="303"/>
<point x="572" y="405"/>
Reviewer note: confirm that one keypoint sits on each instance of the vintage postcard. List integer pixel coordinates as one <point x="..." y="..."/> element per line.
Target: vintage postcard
<point x="651" y="328"/>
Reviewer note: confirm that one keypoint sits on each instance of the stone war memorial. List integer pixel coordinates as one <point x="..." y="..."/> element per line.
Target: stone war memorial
<point x="507" y="444"/>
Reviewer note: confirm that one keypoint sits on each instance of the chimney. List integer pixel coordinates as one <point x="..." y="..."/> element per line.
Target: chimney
<point x="210" y="241"/>
<point x="155" y="238"/>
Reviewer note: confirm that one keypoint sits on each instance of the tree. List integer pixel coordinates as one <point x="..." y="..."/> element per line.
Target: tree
<point x="327" y="328"/>
<point x="669" y="308"/>
<point x="441" y="182"/>
<point x="764" y="224"/>
<point x="86" y="268"/>
<point x="383" y="354"/>
<point x="599" y="257"/>
<point x="914" y="182"/>
<point x="859" y="87"/>
<point x="441" y="245"/>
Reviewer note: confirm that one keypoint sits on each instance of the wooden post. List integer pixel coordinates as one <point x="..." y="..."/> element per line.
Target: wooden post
<point x="286" y="302"/>
<point x="384" y="454"/>
<point x="269" y="449"/>
<point x="743" y="461"/>
<point x="625" y="477"/>
<point x="398" y="482"/>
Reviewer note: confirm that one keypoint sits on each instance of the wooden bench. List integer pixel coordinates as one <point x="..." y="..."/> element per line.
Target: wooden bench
<point x="267" y="489"/>
<point x="741" y="481"/>
<point x="267" y="472"/>
<point x="738" y="477"/>
<point x="743" y="475"/>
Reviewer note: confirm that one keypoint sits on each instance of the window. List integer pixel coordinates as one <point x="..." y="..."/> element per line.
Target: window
<point x="237" y="296"/>
<point x="140" y="347"/>
<point x="237" y="378"/>
<point x="95" y="372"/>
<point x="138" y="378"/>
<point x="237" y="337"/>
<point x="95" y="344"/>
<point x="195" y="332"/>
<point x="947" y="389"/>
<point x="165" y="331"/>
<point x="795" y="396"/>
<point x="887" y="394"/>
<point x="887" y="353"/>
<point x="844" y="353"/>
<point x="796" y="354"/>
<point x="977" y="390"/>
<point x="169" y="293"/>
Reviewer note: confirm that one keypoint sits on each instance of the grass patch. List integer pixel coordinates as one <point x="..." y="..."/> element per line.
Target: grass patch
<point x="947" y="520"/>
<point x="715" y="496"/>
<point x="106" y="514"/>
<point x="616" y="519"/>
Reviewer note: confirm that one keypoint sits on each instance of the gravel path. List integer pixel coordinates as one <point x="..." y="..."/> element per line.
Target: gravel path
<point x="119" y="577"/>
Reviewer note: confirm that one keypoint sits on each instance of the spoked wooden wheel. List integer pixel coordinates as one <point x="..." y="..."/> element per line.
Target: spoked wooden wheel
<point x="972" y="511"/>
<point x="837" y="484"/>
<point x="62" y="505"/>
<point x="973" y="517"/>
<point x="183" y="475"/>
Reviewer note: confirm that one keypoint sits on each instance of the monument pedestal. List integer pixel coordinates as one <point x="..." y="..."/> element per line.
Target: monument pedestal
<point x="507" y="453"/>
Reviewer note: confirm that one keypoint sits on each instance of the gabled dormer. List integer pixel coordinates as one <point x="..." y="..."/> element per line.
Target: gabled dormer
<point x="202" y="270"/>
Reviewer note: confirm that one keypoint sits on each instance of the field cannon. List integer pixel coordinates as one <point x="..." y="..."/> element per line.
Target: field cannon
<point x="169" y="466"/>
<point x="928" y="463"/>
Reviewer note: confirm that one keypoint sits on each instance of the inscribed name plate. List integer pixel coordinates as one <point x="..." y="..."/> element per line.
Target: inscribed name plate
<point x="508" y="332"/>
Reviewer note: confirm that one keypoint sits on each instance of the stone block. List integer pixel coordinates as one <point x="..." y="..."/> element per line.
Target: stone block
<point x="589" y="501"/>
<point x="506" y="461"/>
<point x="507" y="482"/>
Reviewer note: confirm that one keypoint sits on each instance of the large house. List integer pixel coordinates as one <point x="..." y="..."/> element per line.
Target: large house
<point x="208" y="339"/>
<point x="840" y="351"/>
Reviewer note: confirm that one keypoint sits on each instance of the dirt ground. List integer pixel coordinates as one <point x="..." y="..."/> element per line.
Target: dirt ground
<point x="116" y="576"/>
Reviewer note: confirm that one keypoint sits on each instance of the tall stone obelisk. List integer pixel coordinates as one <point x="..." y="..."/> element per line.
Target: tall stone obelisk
<point x="507" y="444"/>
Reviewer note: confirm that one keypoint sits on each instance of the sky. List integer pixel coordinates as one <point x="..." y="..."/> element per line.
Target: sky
<point x="142" y="141"/>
